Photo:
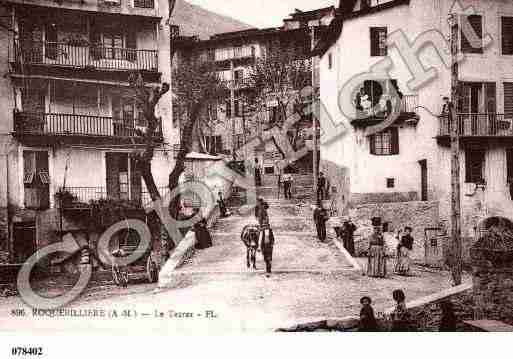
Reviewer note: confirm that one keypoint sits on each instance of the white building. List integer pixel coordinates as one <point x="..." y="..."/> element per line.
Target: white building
<point x="403" y="172"/>
<point x="69" y="118"/>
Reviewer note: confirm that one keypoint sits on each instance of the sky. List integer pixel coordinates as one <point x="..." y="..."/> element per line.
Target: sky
<point x="261" y="13"/>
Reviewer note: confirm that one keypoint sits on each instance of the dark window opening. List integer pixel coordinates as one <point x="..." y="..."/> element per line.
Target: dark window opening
<point x="474" y="166"/>
<point x="390" y="182"/>
<point x="385" y="143"/>
<point x="473" y="25"/>
<point x="214" y="144"/>
<point x="378" y="40"/>
<point x="36" y="179"/>
<point x="509" y="170"/>
<point x="330" y="61"/>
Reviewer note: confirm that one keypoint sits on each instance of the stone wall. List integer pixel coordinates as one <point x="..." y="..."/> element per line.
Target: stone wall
<point x="417" y="215"/>
<point x="339" y="183"/>
<point x="391" y="197"/>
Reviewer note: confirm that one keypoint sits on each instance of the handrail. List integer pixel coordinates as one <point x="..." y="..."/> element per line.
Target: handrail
<point x="478" y="125"/>
<point x="36" y="123"/>
<point x="85" y="55"/>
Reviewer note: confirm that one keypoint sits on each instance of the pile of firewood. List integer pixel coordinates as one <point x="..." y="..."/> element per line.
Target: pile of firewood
<point x="497" y="237"/>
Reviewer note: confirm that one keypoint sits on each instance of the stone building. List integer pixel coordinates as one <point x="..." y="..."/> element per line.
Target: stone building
<point x="400" y="169"/>
<point x="235" y="122"/>
<point x="69" y="120"/>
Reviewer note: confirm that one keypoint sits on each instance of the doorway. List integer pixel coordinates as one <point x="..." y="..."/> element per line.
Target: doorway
<point x="24" y="241"/>
<point x="423" y="180"/>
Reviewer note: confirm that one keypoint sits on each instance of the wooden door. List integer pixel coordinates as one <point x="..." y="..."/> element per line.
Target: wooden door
<point x="423" y="180"/>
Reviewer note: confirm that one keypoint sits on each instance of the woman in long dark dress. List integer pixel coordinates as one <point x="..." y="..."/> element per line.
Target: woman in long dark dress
<point x="368" y="321"/>
<point x="404" y="252"/>
<point x="377" y="262"/>
<point x="203" y="237"/>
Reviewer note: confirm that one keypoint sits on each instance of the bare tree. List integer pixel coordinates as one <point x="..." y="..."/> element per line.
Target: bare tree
<point x="279" y="77"/>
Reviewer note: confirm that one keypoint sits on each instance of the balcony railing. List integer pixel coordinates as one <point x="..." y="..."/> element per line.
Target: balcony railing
<point x="479" y="125"/>
<point x="87" y="194"/>
<point x="408" y="104"/>
<point x="145" y="4"/>
<point x="234" y="53"/>
<point x="86" y="56"/>
<point x="59" y="124"/>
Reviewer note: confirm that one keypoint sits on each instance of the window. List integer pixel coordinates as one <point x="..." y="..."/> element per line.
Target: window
<point x="390" y="182"/>
<point x="238" y="75"/>
<point x="507" y="35"/>
<point x="385" y="143"/>
<point x="509" y="164"/>
<point x="239" y="140"/>
<point x="145" y="4"/>
<point x="228" y="106"/>
<point x="214" y="144"/>
<point x="237" y="107"/>
<point x="378" y="40"/>
<point x="478" y="97"/>
<point x="474" y="165"/>
<point x="473" y="25"/>
<point x="330" y="61"/>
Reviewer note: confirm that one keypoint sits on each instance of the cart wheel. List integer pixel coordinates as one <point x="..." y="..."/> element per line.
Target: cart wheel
<point x="152" y="271"/>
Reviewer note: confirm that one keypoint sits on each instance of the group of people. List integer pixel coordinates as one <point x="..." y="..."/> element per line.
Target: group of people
<point x="377" y="259"/>
<point x="401" y="320"/>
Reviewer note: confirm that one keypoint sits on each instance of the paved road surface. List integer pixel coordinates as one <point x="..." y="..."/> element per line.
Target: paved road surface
<point x="312" y="280"/>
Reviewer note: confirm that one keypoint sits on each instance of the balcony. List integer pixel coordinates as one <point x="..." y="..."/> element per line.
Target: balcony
<point x="235" y="53"/>
<point x="85" y="56"/>
<point x="239" y="84"/>
<point x="30" y="125"/>
<point x="407" y="111"/>
<point x="478" y="126"/>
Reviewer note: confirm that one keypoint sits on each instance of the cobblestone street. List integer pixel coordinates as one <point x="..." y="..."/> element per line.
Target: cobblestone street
<point x="311" y="280"/>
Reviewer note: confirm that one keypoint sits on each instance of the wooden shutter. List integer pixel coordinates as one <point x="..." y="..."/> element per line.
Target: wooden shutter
<point x="219" y="144"/>
<point x="476" y="23"/>
<point x="95" y="39"/>
<point x="507" y="35"/>
<point x="374" y="41"/>
<point x="51" y="41"/>
<point x="464" y="101"/>
<point x="135" y="181"/>
<point x="112" y="170"/>
<point x="394" y="140"/>
<point x="131" y="45"/>
<point x="474" y="161"/>
<point x="228" y="109"/>
<point x="509" y="164"/>
<point x="508" y="99"/>
<point x="372" y="143"/>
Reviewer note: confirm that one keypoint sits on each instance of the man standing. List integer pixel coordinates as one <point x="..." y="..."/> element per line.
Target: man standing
<point x="321" y="185"/>
<point x="266" y="237"/>
<point x="258" y="174"/>
<point x="320" y="217"/>
<point x="287" y="184"/>
<point x="348" y="230"/>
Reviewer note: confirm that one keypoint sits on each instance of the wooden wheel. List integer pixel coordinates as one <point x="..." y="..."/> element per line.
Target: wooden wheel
<point x="152" y="270"/>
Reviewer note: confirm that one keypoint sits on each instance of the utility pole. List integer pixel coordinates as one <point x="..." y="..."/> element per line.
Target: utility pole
<point x="455" y="155"/>
<point x="232" y="106"/>
<point x="314" y="120"/>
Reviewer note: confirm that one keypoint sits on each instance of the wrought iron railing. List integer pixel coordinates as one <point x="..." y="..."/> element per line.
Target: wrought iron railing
<point x="234" y="53"/>
<point x="87" y="194"/>
<point x="479" y="125"/>
<point x="85" y="56"/>
<point x="33" y="123"/>
<point x="145" y="4"/>
<point x="409" y="103"/>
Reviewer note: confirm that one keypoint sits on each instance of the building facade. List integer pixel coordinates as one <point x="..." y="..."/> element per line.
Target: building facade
<point x="403" y="172"/>
<point x="69" y="119"/>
